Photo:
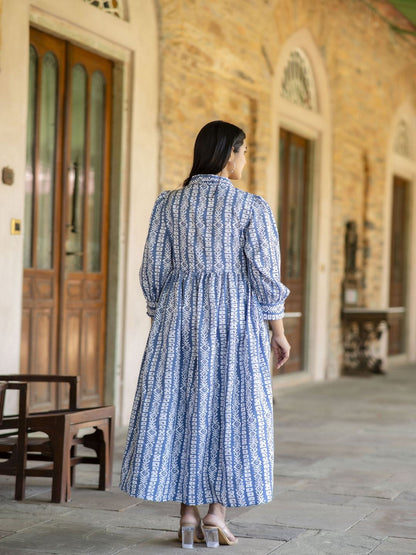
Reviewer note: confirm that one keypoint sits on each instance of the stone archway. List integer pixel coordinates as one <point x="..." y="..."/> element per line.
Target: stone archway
<point x="402" y="165"/>
<point x="314" y="124"/>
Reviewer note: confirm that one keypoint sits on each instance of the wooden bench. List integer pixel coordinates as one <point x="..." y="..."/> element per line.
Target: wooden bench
<point x="58" y="451"/>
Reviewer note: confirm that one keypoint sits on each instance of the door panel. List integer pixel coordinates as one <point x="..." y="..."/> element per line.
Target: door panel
<point x="292" y="223"/>
<point x="66" y="216"/>
<point x="85" y="232"/>
<point x="397" y="331"/>
<point x="42" y="213"/>
<point x="92" y="322"/>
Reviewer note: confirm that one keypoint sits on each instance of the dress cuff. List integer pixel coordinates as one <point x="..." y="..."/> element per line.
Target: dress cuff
<point x="151" y="309"/>
<point x="273" y="312"/>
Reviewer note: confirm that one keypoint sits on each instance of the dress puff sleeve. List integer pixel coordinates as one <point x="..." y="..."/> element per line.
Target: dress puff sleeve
<point x="262" y="251"/>
<point x="157" y="256"/>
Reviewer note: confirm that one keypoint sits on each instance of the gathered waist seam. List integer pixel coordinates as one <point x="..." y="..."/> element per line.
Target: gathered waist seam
<point x="207" y="273"/>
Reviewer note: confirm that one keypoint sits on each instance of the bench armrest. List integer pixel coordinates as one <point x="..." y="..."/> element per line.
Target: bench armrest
<point x="72" y="380"/>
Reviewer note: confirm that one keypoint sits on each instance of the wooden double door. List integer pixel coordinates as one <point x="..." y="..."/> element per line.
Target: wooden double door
<point x="66" y="217"/>
<point x="293" y="230"/>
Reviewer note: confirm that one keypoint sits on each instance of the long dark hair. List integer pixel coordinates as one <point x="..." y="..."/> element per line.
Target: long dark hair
<point x="213" y="147"/>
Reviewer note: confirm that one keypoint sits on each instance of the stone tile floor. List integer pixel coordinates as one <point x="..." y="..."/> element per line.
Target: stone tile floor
<point x="345" y="485"/>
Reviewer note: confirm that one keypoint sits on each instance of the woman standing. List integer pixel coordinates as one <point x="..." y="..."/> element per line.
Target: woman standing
<point x="201" y="428"/>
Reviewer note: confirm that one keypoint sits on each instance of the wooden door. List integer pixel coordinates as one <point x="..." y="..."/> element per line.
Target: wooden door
<point x="293" y="229"/>
<point x="66" y="217"/>
<point x="397" y="301"/>
<point x="39" y="342"/>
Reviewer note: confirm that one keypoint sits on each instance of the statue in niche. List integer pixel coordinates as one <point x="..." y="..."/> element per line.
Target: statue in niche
<point x="350" y="291"/>
<point x="351" y="242"/>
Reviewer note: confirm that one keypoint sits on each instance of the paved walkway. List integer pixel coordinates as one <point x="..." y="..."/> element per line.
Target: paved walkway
<point x="345" y="485"/>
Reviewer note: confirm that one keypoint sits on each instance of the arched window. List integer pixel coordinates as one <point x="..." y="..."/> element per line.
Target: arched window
<point x="402" y="140"/>
<point x="115" y="7"/>
<point x="298" y="84"/>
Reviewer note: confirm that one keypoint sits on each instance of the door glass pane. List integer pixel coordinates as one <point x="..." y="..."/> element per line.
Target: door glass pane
<point x="295" y="211"/>
<point x="95" y="177"/>
<point x="46" y="174"/>
<point x="30" y="161"/>
<point x="76" y="184"/>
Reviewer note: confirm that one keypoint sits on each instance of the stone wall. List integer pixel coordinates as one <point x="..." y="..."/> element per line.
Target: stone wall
<point x="217" y="62"/>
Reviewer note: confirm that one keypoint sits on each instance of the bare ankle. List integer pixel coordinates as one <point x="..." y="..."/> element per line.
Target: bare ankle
<point x="215" y="515"/>
<point x="217" y="509"/>
<point x="190" y="512"/>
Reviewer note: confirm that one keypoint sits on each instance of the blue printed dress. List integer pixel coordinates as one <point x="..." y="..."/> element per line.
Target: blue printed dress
<point x="201" y="427"/>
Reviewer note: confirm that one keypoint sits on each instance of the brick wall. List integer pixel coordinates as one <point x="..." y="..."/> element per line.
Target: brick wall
<point x="217" y="61"/>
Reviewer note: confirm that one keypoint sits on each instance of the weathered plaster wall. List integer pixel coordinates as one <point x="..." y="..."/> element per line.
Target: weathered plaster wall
<point x="133" y="46"/>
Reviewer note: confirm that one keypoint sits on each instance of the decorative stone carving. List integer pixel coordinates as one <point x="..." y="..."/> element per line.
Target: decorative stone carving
<point x="114" y="7"/>
<point x="298" y="83"/>
<point x="401" y="140"/>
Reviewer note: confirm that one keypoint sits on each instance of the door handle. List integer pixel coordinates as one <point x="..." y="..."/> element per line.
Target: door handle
<point x="74" y="253"/>
<point x="73" y="224"/>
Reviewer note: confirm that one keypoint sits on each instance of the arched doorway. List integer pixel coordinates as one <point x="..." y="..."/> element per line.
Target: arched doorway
<point x="299" y="187"/>
<point x="400" y="233"/>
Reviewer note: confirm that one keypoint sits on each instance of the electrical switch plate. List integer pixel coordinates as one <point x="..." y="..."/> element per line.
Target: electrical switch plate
<point x="16" y="227"/>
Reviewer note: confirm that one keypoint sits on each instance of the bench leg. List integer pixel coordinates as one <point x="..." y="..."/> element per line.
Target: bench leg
<point x="60" y="479"/>
<point x="99" y="441"/>
<point x="105" y="479"/>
